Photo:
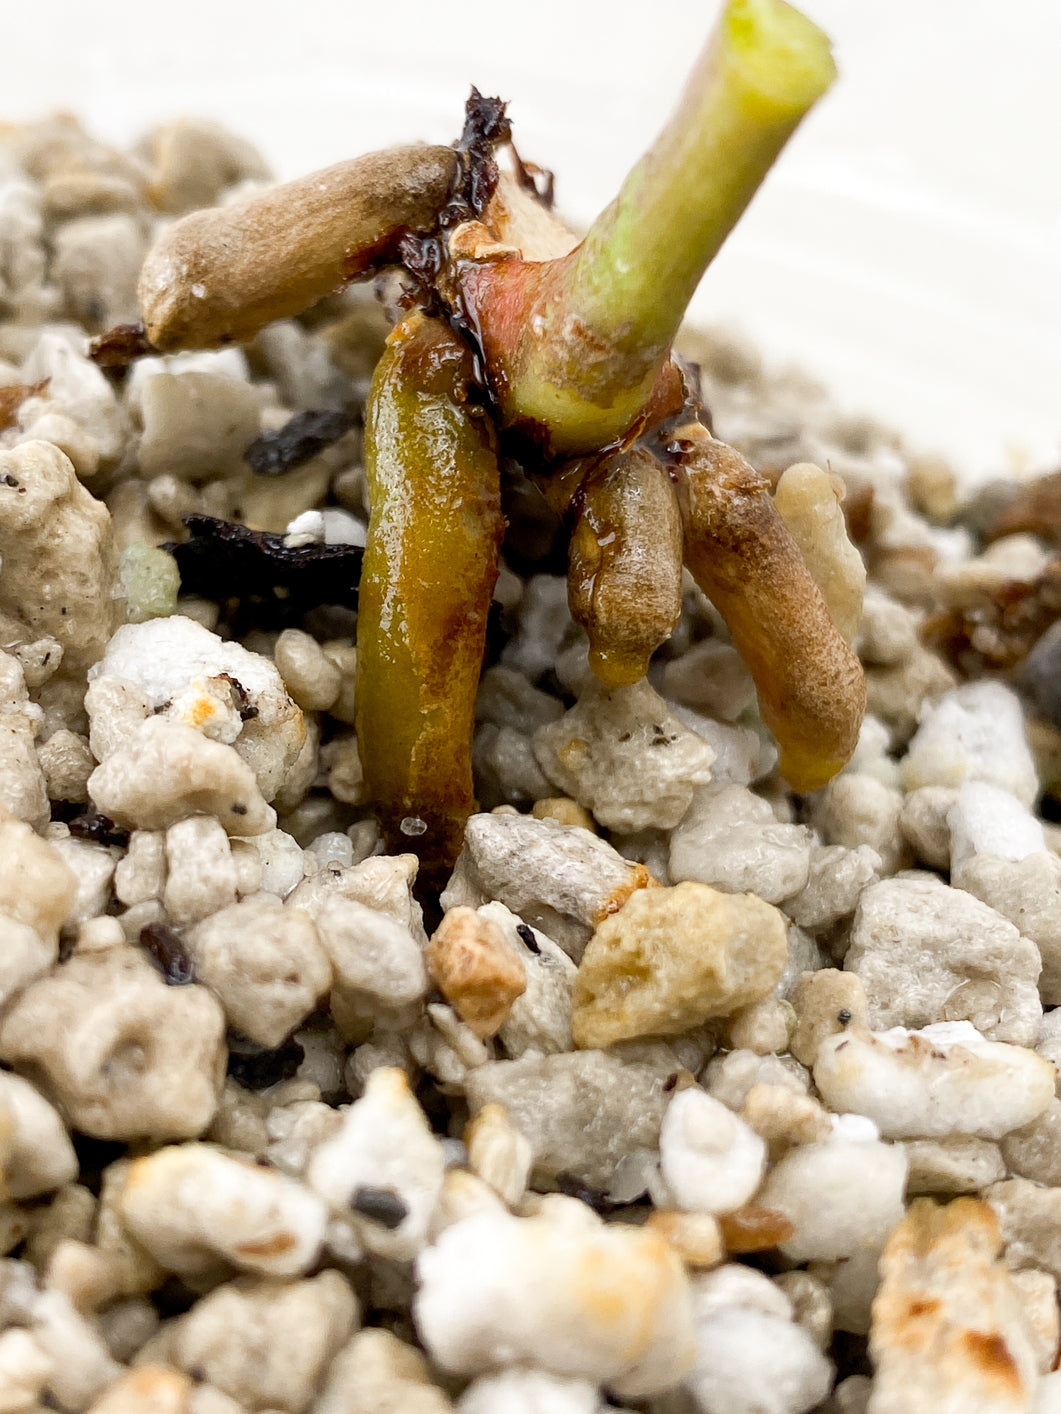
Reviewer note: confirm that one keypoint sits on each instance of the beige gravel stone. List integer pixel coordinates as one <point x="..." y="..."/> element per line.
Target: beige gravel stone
<point x="123" y="1055"/>
<point x="915" y="942"/>
<point x="1034" y="1150"/>
<point x="67" y="764"/>
<point x="200" y="873"/>
<point x="1028" y="892"/>
<point x="672" y="958"/>
<point x="947" y="1332"/>
<point x="564" y="881"/>
<point x="1030" y="1218"/>
<point x="625" y="757"/>
<point x="924" y="823"/>
<point x="540" y="1017"/>
<point x="190" y="1205"/>
<point x="312" y="679"/>
<point x="168" y="771"/>
<point x="24" y="1371"/>
<point x="36" y="1154"/>
<point x="730" y="838"/>
<point x="826" y="1002"/>
<point x="264" y="962"/>
<point x="37" y="888"/>
<point x="857" y="810"/>
<point x="961" y="1165"/>
<point x="376" y="1373"/>
<point x="1042" y="1316"/>
<point x="268" y="1343"/>
<point x="478" y="971"/>
<point x="59" y="556"/>
<point x="584" y="1112"/>
<point x="156" y="1389"/>
<point x="499" y="1153"/>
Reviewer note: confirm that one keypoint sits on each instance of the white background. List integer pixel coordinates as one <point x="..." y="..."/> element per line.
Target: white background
<point x="906" y="249"/>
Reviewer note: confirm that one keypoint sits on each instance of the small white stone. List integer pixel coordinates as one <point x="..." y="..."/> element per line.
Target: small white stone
<point x="383" y="883"/>
<point x="973" y="733"/>
<point x="841" y="1197"/>
<point x="834" y="885"/>
<point x="167" y="771"/>
<point x="200" y="872"/>
<point x="711" y="1161"/>
<point x="36" y="1154"/>
<point x="540" y="1018"/>
<point x="374" y="957"/>
<point x="190" y="1205"/>
<point x="193" y="676"/>
<point x="82" y="1366"/>
<point x="751" y="1357"/>
<point x="528" y="1392"/>
<point x="931" y="1084"/>
<point x="25" y="1369"/>
<point x="376" y="1373"/>
<point x="986" y="819"/>
<point x="265" y="963"/>
<point x="916" y="944"/>
<point x="562" y="1291"/>
<point x="730" y="839"/>
<point x="1028" y="892"/>
<point x="558" y="878"/>
<point x="385" y="1143"/>
<point x="283" y="861"/>
<point x="624" y="755"/>
<point x="141" y="874"/>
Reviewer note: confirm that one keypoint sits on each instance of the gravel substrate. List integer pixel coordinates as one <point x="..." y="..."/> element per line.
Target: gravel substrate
<point x="691" y="1095"/>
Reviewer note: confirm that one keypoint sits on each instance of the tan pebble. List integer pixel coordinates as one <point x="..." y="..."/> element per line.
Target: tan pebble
<point x="478" y="972"/>
<point x="784" y="1117"/>
<point x="376" y="1373"/>
<point x="498" y="1152"/>
<point x="754" y="1229"/>
<point x="947" y="1332"/>
<point x="37" y="887"/>
<point x="564" y="811"/>
<point x="672" y="958"/>
<point x="825" y="1002"/>
<point x="67" y="764"/>
<point x="696" y="1237"/>
<point x="1037" y="1292"/>
<point x="762" y="1027"/>
<point x="151" y="1389"/>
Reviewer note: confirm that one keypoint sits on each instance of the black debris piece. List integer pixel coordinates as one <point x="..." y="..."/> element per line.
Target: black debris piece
<point x="92" y="824"/>
<point x="223" y="561"/>
<point x="381" y="1205"/>
<point x="256" y="1068"/>
<point x="300" y="438"/>
<point x="163" y="944"/>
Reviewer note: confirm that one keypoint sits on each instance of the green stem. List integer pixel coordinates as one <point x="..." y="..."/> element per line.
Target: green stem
<point x="578" y="343"/>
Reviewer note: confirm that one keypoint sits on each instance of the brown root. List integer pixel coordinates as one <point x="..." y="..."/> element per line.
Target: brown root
<point x="218" y="276"/>
<point x="812" y="693"/>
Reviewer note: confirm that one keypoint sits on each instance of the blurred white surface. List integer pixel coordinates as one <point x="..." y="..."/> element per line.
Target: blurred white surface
<point x="907" y="249"/>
